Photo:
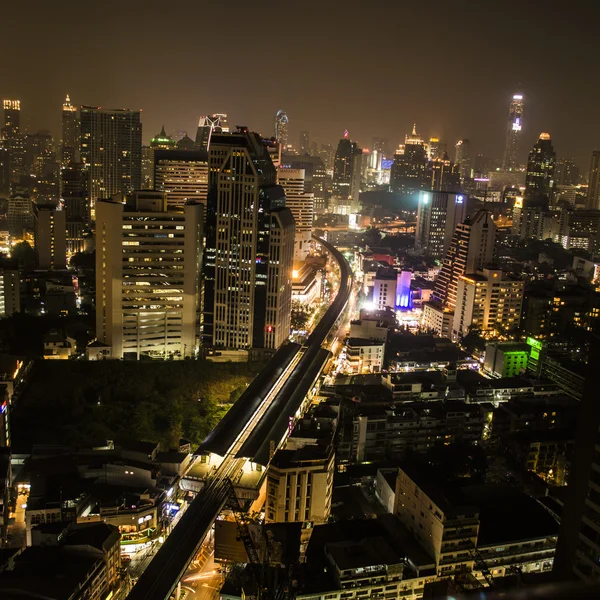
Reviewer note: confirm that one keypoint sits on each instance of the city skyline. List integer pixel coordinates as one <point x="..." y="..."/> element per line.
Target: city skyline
<point x="368" y="96"/>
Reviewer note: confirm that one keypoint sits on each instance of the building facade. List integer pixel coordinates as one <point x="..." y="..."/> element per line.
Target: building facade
<point x="513" y="134"/>
<point x="182" y="174"/>
<point x="148" y="260"/>
<point x="69" y="148"/>
<point x="50" y="234"/>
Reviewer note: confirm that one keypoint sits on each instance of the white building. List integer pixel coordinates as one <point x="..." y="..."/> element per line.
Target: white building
<point x="364" y="356"/>
<point x="182" y="174"/>
<point x="437" y="319"/>
<point x="302" y="206"/>
<point x="487" y="300"/>
<point x="148" y="258"/>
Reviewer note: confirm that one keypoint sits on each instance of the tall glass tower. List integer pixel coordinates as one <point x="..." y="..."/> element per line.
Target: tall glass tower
<point x="513" y="134"/>
<point x="281" y="127"/>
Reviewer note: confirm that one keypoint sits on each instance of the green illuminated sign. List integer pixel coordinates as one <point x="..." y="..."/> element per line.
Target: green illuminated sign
<point x="535" y="344"/>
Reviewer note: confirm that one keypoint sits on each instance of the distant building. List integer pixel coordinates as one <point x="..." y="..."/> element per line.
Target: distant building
<point x="147" y="294"/>
<point x="539" y="180"/>
<point x="50" y="229"/>
<point x="10" y="301"/>
<point x="70" y="134"/>
<point x="346" y="177"/>
<point x="281" y="128"/>
<point x="438" y="215"/>
<point x="75" y="197"/>
<point x="58" y="345"/>
<point x="514" y="133"/>
<point x="302" y="207"/>
<point x="182" y="174"/>
<point x="208" y="125"/>
<point x="464" y="158"/>
<point x="304" y="142"/>
<point x="20" y="214"/>
<point x="409" y="169"/>
<point x="593" y="191"/>
<point x="364" y="355"/>
<point x="111" y="146"/>
<point x="487" y="300"/>
<point x="14" y="140"/>
<point x="437" y="319"/>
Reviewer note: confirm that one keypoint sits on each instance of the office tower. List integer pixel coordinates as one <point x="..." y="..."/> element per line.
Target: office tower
<point x="443" y="175"/>
<point x="182" y="174"/>
<point x="487" y="300"/>
<point x="281" y="127"/>
<point x="186" y="143"/>
<point x="436" y="148"/>
<point x="327" y="155"/>
<point x="380" y="144"/>
<point x="593" y="193"/>
<point x="70" y="134"/>
<point x="304" y="142"/>
<point x="346" y="177"/>
<point x="10" y="300"/>
<point x="4" y="168"/>
<point x="40" y="158"/>
<point x="513" y="134"/>
<point x="302" y="207"/>
<point x="162" y="141"/>
<point x="147" y="168"/>
<point x="20" y="214"/>
<point x="566" y="172"/>
<point x="438" y="214"/>
<point x="50" y="235"/>
<point x="316" y="179"/>
<point x="539" y="182"/>
<point x="208" y="125"/>
<point x="14" y="139"/>
<point x="464" y="158"/>
<point x="580" y="229"/>
<point x="577" y="549"/>
<point x="249" y="247"/>
<point x="111" y="146"/>
<point x="76" y="200"/>
<point x="147" y="291"/>
<point x="409" y="170"/>
<point x="472" y="248"/>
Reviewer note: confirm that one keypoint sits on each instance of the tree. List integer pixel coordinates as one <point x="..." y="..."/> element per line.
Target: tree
<point x="24" y="254"/>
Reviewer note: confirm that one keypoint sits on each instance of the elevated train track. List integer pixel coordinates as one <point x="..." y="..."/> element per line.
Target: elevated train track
<point x="256" y="423"/>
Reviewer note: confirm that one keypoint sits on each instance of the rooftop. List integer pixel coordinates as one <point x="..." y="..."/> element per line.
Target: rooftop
<point x="368" y="552"/>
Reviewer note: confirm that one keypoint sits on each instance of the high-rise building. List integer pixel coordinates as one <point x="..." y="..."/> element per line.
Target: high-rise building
<point x="208" y="125"/>
<point x="249" y="247"/>
<point x="409" y="170"/>
<point x="70" y="134"/>
<point x="464" y="158"/>
<point x="111" y="146"/>
<point x="487" y="300"/>
<point x="13" y="139"/>
<point x="593" y="194"/>
<point x="436" y="148"/>
<point x="438" y="215"/>
<point x="10" y="300"/>
<point x="304" y="142"/>
<point x="76" y="200"/>
<point x="4" y="168"/>
<point x="302" y="207"/>
<point x="147" y="168"/>
<point x="327" y="155"/>
<point x="317" y="180"/>
<point x="20" y="214"/>
<point x="577" y="550"/>
<point x="182" y="174"/>
<point x="471" y="249"/>
<point x="147" y="292"/>
<point x="539" y="182"/>
<point x="513" y="134"/>
<point x="162" y="141"/>
<point x="50" y="235"/>
<point x="281" y="127"/>
<point x="566" y="172"/>
<point x="346" y="177"/>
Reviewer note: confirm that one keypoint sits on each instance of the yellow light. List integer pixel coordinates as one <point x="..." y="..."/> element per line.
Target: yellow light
<point x="295" y="274"/>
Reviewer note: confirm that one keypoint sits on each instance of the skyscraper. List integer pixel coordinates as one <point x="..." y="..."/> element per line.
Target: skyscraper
<point x="182" y="174"/>
<point x="464" y="158"/>
<point x="76" y="199"/>
<point x="302" y="207"/>
<point x="513" y="134"/>
<point x="304" y="142"/>
<point x="438" y="215"/>
<point x="249" y="247"/>
<point x="281" y="127"/>
<point x="50" y="226"/>
<point x="208" y="125"/>
<point x="162" y="141"/>
<point x="409" y="170"/>
<point x="111" y="146"/>
<point x="539" y="182"/>
<point x="593" y="194"/>
<point x="70" y="134"/>
<point x="346" y="177"/>
<point x="147" y="292"/>
<point x="471" y="249"/>
<point x="14" y="139"/>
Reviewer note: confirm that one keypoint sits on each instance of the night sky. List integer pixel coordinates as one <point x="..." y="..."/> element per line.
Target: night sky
<point x="371" y="67"/>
